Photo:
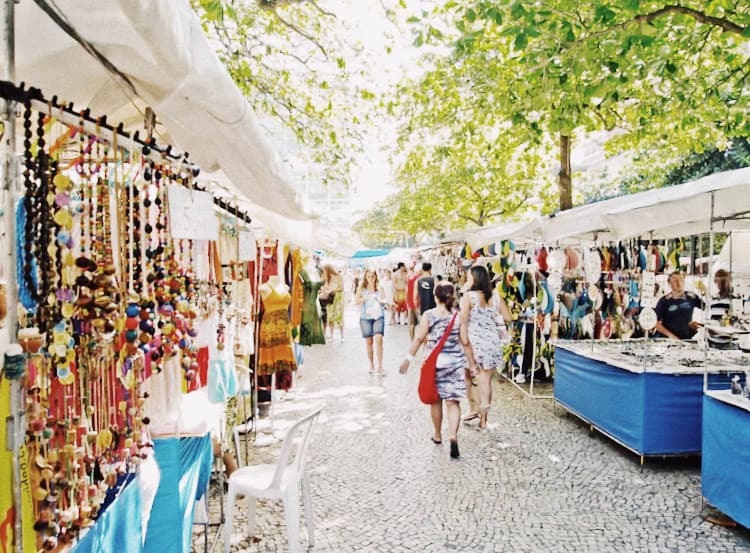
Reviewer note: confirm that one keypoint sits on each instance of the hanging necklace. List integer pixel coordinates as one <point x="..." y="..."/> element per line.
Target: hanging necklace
<point x="28" y="289"/>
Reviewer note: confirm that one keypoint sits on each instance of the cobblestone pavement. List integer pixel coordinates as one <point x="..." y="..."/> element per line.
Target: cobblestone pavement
<point x="537" y="481"/>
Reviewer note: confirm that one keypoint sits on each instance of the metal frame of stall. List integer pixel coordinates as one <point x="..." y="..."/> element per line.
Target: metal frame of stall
<point x="534" y="313"/>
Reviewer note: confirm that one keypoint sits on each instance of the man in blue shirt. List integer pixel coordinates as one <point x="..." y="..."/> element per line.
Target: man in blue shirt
<point x="674" y="312"/>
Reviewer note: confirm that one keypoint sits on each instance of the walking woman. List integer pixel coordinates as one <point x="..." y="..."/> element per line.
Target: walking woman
<point x="370" y="298"/>
<point x="479" y="314"/>
<point x="451" y="362"/>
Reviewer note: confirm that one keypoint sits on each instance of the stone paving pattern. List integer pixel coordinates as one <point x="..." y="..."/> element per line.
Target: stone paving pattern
<point x="536" y="481"/>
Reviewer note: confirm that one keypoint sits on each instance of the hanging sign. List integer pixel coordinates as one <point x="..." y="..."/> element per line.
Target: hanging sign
<point x="247" y="246"/>
<point x="648" y="289"/>
<point x="191" y="214"/>
<point x="592" y="264"/>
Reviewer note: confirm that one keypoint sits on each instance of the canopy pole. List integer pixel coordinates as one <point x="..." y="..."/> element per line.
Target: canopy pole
<point x="14" y="434"/>
<point x="709" y="288"/>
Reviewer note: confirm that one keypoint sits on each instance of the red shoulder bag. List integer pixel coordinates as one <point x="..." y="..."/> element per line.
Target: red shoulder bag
<point x="427" y="389"/>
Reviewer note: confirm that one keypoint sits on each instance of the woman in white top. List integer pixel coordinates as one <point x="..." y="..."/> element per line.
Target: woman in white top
<point x="480" y="313"/>
<point x="371" y="299"/>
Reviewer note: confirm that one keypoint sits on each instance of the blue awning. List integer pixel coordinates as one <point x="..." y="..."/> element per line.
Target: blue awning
<point x="359" y="254"/>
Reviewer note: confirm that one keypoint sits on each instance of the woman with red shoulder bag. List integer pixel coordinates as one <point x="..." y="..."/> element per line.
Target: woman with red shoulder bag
<point x="449" y="347"/>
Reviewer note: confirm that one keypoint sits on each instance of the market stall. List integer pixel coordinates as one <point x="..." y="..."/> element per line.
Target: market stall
<point x="133" y="295"/>
<point x="726" y="453"/>
<point x="645" y="395"/>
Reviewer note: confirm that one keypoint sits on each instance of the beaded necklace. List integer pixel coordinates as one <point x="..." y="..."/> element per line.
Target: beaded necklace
<point x="44" y="229"/>
<point x="28" y="292"/>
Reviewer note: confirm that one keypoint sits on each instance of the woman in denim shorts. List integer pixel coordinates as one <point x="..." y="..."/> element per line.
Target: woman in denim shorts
<point x="371" y="298"/>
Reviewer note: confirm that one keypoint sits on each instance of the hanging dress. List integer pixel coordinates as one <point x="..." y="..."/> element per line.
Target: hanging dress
<point x="298" y="289"/>
<point x="275" y="351"/>
<point x="311" y="331"/>
<point x="336" y="309"/>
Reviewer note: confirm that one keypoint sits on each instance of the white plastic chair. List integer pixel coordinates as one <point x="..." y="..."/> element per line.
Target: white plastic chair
<point x="280" y="481"/>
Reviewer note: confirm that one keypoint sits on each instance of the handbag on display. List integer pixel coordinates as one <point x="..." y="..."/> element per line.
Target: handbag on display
<point x="427" y="389"/>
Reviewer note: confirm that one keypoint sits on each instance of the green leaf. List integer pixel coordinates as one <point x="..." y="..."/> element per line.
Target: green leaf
<point x="603" y="14"/>
<point x="520" y="41"/>
<point x="418" y="40"/>
<point x="413" y="19"/>
<point x="214" y="9"/>
<point x="533" y="32"/>
<point x="517" y="11"/>
<point x="470" y="15"/>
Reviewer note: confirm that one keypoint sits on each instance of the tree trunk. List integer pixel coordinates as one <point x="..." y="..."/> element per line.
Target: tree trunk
<point x="565" y="182"/>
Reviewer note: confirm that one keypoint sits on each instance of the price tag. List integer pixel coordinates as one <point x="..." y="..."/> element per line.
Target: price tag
<point x="247" y="246"/>
<point x="192" y="214"/>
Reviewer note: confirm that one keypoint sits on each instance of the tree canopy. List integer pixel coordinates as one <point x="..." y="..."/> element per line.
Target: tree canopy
<point x="666" y="79"/>
<point x="295" y="63"/>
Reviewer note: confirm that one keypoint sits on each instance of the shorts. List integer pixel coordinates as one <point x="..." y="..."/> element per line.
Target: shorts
<point x="371" y="327"/>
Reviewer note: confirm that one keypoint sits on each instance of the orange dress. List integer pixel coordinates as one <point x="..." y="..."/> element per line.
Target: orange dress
<point x="275" y="351"/>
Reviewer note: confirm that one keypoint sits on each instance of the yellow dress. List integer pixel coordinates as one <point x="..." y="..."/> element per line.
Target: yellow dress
<point x="275" y="351"/>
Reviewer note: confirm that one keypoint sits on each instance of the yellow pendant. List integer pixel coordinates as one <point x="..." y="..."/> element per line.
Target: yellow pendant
<point x="67" y="310"/>
<point x="61" y="181"/>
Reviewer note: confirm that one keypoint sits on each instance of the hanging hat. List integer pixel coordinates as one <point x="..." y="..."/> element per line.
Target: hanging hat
<point x="595" y="295"/>
<point x="627" y="327"/>
<point x="647" y="318"/>
<point x="546" y="303"/>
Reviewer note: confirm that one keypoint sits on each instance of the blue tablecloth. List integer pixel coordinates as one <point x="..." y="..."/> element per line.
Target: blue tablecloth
<point x="650" y="413"/>
<point x="726" y="459"/>
<point x="119" y="527"/>
<point x="185" y="465"/>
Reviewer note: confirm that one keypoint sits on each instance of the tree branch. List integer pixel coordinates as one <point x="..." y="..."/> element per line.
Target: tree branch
<point x="273" y="4"/>
<point x="720" y="22"/>
<point x="300" y="32"/>
<point x="469" y="218"/>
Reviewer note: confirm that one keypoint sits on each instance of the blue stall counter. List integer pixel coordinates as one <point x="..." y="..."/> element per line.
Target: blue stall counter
<point x="645" y="396"/>
<point x="726" y="454"/>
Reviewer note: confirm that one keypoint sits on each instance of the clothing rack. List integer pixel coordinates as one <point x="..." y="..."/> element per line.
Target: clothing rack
<point x="67" y="115"/>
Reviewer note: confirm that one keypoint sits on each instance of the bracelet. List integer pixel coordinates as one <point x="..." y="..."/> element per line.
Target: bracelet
<point x="409" y="357"/>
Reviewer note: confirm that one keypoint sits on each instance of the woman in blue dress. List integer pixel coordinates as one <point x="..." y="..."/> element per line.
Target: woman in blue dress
<point x="451" y="363"/>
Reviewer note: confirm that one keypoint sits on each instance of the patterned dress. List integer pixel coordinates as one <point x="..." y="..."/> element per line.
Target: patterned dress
<point x="336" y="310"/>
<point x="451" y="362"/>
<point x="275" y="353"/>
<point x="484" y="335"/>
<point x="311" y="330"/>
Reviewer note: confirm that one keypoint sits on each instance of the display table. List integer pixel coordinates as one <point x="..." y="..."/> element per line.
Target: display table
<point x="119" y="527"/>
<point x="647" y="396"/>
<point x="185" y="465"/>
<point x="726" y="454"/>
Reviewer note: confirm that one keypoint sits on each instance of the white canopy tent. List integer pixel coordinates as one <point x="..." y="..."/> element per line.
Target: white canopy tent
<point x="583" y="223"/>
<point x="667" y="212"/>
<point x="720" y="202"/>
<point x="522" y="233"/>
<point x="156" y="54"/>
<point x="735" y="254"/>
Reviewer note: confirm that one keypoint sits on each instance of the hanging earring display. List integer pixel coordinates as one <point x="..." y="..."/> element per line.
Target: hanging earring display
<point x="109" y="296"/>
